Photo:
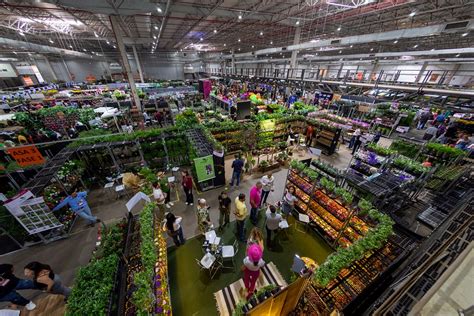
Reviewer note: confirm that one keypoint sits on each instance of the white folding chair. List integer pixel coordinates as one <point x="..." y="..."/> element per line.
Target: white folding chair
<point x="303" y="220"/>
<point x="212" y="238"/>
<point x="209" y="263"/>
<point x="228" y="254"/>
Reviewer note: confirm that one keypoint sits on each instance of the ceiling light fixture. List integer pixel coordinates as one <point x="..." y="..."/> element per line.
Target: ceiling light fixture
<point x="261" y="33"/>
<point x="115" y="46"/>
<point x="432" y="49"/>
<point x="298" y="22"/>
<point x="154" y="36"/>
<point x="395" y="41"/>
<point x="225" y="44"/>
<point x="239" y="49"/>
<point x="253" y="46"/>
<point x="159" y="10"/>
<point x="51" y="41"/>
<point x="85" y="50"/>
<point x="340" y="51"/>
<point x="21" y="33"/>
<point x="240" y="16"/>
<point x="156" y="27"/>
<point x="464" y="34"/>
<point x="339" y="28"/>
<point x="96" y="35"/>
<point x="215" y="31"/>
<point x="412" y="14"/>
<point x="201" y="39"/>
<point x="271" y="43"/>
<point x="351" y="46"/>
<point x="457" y="55"/>
<point x="372" y="49"/>
<point x="70" y="46"/>
<point x="415" y="46"/>
<point x="238" y="40"/>
<point x="108" y="43"/>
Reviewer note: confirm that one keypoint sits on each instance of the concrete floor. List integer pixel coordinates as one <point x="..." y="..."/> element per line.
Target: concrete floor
<point x="67" y="255"/>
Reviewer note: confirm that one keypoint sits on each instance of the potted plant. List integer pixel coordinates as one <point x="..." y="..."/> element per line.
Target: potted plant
<point x="263" y="165"/>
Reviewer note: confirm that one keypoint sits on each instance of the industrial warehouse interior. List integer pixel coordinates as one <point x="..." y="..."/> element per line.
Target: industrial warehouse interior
<point x="226" y="157"/>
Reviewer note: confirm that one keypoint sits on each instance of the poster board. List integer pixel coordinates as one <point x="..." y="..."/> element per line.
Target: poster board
<point x="204" y="168"/>
<point x="135" y="199"/>
<point x="32" y="213"/>
<point x="27" y="155"/>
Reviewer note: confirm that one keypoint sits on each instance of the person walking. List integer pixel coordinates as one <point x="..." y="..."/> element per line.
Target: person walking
<point x="237" y="166"/>
<point x="78" y="204"/>
<point x="268" y="181"/>
<point x="165" y="187"/>
<point x="354" y="137"/>
<point x="255" y="198"/>
<point x="240" y="215"/>
<point x="203" y="217"/>
<point x="289" y="199"/>
<point x="187" y="183"/>
<point x="309" y="135"/>
<point x="273" y="220"/>
<point x="376" y="138"/>
<point x="224" y="209"/>
<point x="430" y="132"/>
<point x="425" y="116"/>
<point x="159" y="197"/>
<point x="9" y="284"/>
<point x="172" y="225"/>
<point x="45" y="279"/>
<point x="251" y="269"/>
<point x="357" y="143"/>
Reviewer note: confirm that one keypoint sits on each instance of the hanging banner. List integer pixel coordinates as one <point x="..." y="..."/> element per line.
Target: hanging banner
<point x="27" y="156"/>
<point x="204" y="168"/>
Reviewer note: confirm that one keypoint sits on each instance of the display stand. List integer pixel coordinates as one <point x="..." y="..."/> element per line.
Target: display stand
<point x="328" y="139"/>
<point x="335" y="222"/>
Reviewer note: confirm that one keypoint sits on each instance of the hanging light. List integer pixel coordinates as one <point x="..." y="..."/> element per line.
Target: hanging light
<point x="395" y="41"/>
<point x="271" y="43"/>
<point x="261" y="33"/>
<point x="215" y="31"/>
<point x="298" y="22"/>
<point x="21" y="33"/>
<point x="159" y="10"/>
<point x="51" y="41"/>
<point x="412" y="14"/>
<point x="96" y="35"/>
<point x="339" y="28"/>
<point x="415" y="46"/>
<point x="156" y="27"/>
<point x="240" y="16"/>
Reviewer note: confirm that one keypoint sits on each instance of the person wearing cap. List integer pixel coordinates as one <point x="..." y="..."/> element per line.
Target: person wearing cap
<point x="203" y="217"/>
<point x="240" y="215"/>
<point x="252" y="264"/>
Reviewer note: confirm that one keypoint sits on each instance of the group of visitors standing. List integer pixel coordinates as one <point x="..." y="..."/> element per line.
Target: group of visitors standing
<point x="39" y="277"/>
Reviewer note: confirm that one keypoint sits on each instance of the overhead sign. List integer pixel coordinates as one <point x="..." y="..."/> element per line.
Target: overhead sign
<point x="26" y="156"/>
<point x="204" y="168"/>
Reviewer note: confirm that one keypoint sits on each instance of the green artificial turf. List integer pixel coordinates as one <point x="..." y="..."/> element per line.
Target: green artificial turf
<point x="192" y="290"/>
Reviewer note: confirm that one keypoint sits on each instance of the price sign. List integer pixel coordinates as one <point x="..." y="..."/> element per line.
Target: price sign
<point x="26" y="156"/>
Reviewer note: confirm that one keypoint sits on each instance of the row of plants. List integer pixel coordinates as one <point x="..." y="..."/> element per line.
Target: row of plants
<point x="409" y="165"/>
<point x="407" y="149"/>
<point x="443" y="151"/>
<point x="143" y="296"/>
<point x="344" y="257"/>
<point x="380" y="150"/>
<point x="94" y="283"/>
<point x="262" y="294"/>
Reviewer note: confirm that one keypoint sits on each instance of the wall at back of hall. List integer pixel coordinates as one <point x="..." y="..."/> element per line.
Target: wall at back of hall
<point x="78" y="68"/>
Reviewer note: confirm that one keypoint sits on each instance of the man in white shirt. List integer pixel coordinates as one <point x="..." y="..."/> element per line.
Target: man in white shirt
<point x="267" y="181"/>
<point x="272" y="223"/>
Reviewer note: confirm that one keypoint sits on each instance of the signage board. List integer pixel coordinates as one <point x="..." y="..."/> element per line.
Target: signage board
<point x="26" y="155"/>
<point x="204" y="168"/>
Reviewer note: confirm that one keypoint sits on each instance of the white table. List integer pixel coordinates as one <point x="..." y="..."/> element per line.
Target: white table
<point x="119" y="189"/>
<point x="283" y="224"/>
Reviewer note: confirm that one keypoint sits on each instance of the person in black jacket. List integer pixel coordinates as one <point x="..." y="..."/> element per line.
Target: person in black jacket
<point x="9" y="283"/>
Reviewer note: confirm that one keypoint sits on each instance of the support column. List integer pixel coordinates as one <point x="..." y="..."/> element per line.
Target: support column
<point x="55" y="78"/>
<point x="423" y="68"/>
<point x="233" y="62"/>
<point x="125" y="63"/>
<point x="139" y="65"/>
<point x="294" y="54"/>
<point x="67" y="69"/>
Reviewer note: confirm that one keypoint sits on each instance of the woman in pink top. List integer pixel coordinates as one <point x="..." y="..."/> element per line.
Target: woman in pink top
<point x="252" y="264"/>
